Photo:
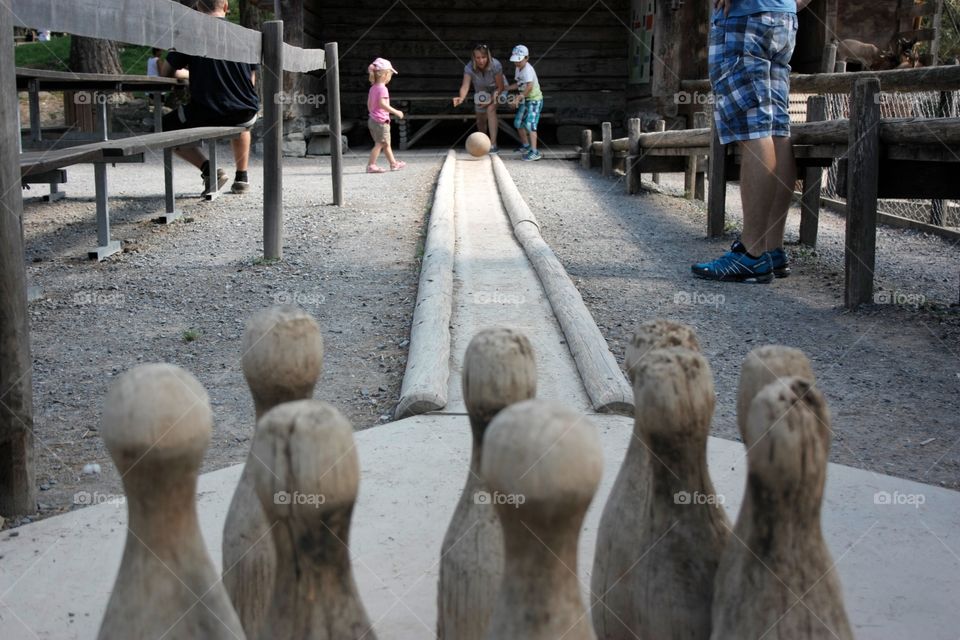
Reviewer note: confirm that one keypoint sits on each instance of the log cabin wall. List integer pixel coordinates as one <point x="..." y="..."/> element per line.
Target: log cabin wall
<point x="578" y="48"/>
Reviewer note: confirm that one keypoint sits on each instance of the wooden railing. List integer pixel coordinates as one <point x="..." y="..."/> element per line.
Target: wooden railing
<point x="155" y="23"/>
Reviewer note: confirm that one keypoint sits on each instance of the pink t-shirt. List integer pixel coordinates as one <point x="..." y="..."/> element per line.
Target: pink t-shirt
<point x="378" y="113"/>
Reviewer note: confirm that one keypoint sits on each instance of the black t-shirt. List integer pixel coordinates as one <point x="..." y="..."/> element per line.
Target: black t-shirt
<point x="219" y="86"/>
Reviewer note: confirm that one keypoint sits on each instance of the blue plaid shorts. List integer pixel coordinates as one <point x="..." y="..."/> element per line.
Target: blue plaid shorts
<point x="528" y="115"/>
<point x="750" y="73"/>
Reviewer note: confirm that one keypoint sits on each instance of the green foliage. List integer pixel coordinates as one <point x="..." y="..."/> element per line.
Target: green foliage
<point x="55" y="54"/>
<point x="950" y="31"/>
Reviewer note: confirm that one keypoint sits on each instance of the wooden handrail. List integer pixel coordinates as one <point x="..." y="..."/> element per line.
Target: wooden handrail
<point x="158" y="23"/>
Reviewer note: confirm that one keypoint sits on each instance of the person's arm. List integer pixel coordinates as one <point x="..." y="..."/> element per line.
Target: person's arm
<point x="167" y="70"/>
<point x="385" y="104"/>
<point x="464" y="87"/>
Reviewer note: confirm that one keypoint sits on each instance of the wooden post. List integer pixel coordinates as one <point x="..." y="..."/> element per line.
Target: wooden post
<point x="841" y="66"/>
<point x="700" y="121"/>
<point x="17" y="491"/>
<point x="944" y="110"/>
<point x="333" y="114"/>
<point x="717" y="202"/>
<point x="863" y="172"/>
<point x="812" y="178"/>
<point x="607" y="149"/>
<point x="659" y="125"/>
<point x="829" y="61"/>
<point x="273" y="140"/>
<point x="633" y="154"/>
<point x="586" y="146"/>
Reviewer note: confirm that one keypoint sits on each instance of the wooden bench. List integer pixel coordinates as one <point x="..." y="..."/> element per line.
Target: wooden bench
<point x="38" y="166"/>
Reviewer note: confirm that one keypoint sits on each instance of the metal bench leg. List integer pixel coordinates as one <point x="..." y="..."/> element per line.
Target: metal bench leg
<point x="171" y="212"/>
<point x="212" y="192"/>
<point x="107" y="247"/>
<point x="55" y="193"/>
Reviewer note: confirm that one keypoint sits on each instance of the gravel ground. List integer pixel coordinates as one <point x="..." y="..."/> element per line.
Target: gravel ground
<point x="181" y="293"/>
<point x="890" y="372"/>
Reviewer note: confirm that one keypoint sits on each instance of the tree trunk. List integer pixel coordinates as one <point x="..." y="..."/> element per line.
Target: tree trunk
<point x="250" y="15"/>
<point x="89" y="55"/>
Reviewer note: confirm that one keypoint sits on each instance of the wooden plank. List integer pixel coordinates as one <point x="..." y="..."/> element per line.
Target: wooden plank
<point x="153" y="23"/>
<point x="34" y="162"/>
<point x="297" y="60"/>
<point x="925" y="79"/>
<point x="67" y="80"/>
<point x="336" y="126"/>
<point x="602" y="378"/>
<point x="863" y="160"/>
<point x="428" y="363"/>
<point x="17" y="474"/>
<point x="889" y="219"/>
<point x="812" y="178"/>
<point x="156" y="141"/>
<point x="271" y="80"/>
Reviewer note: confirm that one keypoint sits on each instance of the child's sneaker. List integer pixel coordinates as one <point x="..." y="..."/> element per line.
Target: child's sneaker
<point x="532" y="155"/>
<point x="781" y="262"/>
<point x="736" y="266"/>
<point x="522" y="149"/>
<point x="372" y="168"/>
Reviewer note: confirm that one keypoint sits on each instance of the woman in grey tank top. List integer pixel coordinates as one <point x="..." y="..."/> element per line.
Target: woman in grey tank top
<point x="485" y="73"/>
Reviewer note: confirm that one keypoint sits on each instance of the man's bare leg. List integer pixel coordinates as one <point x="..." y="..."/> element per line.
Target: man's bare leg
<point x="241" y="150"/>
<point x="759" y="186"/>
<point x="193" y="155"/>
<point x="786" y="173"/>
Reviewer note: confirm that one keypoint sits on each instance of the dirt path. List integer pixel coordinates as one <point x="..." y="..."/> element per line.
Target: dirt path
<point x="891" y="372"/>
<point x="183" y="292"/>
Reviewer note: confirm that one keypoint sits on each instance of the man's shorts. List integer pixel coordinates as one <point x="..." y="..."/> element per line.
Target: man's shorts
<point x="379" y="131"/>
<point x="528" y="115"/>
<point x="190" y="116"/>
<point x="750" y="73"/>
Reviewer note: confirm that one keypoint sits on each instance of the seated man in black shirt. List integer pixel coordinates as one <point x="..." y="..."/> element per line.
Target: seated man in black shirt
<point x="222" y="93"/>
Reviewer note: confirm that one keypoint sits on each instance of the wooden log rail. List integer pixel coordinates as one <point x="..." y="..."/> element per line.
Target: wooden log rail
<point x="152" y="23"/>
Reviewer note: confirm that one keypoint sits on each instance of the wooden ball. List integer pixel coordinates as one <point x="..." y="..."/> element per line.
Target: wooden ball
<point x="478" y="144"/>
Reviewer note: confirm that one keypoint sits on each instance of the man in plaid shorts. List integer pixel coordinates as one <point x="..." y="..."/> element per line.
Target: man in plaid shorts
<point x="751" y="43"/>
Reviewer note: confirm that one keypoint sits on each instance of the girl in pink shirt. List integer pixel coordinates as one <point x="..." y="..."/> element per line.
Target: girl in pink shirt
<point x="378" y="104"/>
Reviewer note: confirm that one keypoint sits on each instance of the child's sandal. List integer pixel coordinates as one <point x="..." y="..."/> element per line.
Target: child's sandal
<point x="399" y="164"/>
<point x="372" y="168"/>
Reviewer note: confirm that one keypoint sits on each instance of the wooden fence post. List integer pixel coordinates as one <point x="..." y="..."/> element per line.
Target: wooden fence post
<point x="700" y="121"/>
<point x="17" y="490"/>
<point x="273" y="140"/>
<point x="863" y="173"/>
<point x="633" y="155"/>
<point x="829" y="61"/>
<point x="812" y="178"/>
<point x="333" y="113"/>
<point x="586" y="148"/>
<point x="659" y="125"/>
<point x="717" y="202"/>
<point x="607" y="149"/>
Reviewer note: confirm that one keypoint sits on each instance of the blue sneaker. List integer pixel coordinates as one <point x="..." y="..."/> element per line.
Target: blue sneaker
<point x="494" y="149"/>
<point x="532" y="155"/>
<point x="522" y="149"/>
<point x="736" y="266"/>
<point x="781" y="262"/>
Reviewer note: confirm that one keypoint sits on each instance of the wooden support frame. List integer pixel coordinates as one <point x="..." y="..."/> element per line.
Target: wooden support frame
<point x="717" y="200"/>
<point x="863" y="160"/>
<point x="812" y="179"/>
<point x="272" y="82"/>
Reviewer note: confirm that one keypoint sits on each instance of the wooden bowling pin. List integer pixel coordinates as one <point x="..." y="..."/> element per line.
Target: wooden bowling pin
<point x="282" y="357"/>
<point x="498" y="370"/>
<point x="542" y="464"/>
<point x="156" y="425"/>
<point x="762" y="366"/>
<point x="663" y="528"/>
<point x="308" y="484"/>
<point x="776" y="578"/>
<point x="657" y="334"/>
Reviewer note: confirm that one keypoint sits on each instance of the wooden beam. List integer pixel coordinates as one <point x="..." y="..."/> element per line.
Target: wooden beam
<point x="272" y="79"/>
<point x="607" y="148"/>
<point x="659" y="126"/>
<point x="717" y="199"/>
<point x="17" y="479"/>
<point x="336" y="128"/>
<point x="863" y="161"/>
<point x="586" y="148"/>
<point x="632" y="171"/>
